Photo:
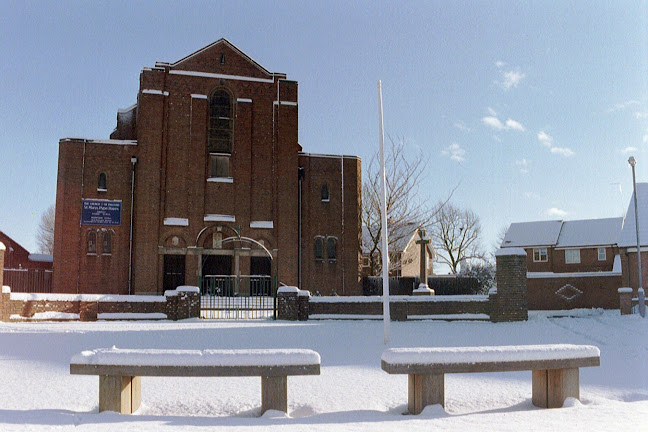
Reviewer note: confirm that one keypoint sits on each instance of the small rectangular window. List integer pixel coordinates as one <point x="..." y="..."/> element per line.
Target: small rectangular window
<point x="219" y="166"/>
<point x="319" y="249"/>
<point x="601" y="254"/>
<point x="540" y="255"/>
<point x="107" y="243"/>
<point x="572" y="256"/>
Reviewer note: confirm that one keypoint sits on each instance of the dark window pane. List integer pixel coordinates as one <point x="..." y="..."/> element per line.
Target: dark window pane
<point x="331" y="248"/>
<point x="101" y="184"/>
<point x="319" y="249"/>
<point x="219" y="166"/>
<point x="107" y="243"/>
<point x="92" y="242"/>
<point x="325" y="192"/>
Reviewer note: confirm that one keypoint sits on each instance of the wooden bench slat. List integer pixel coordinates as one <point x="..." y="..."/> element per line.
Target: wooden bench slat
<point x="503" y="366"/>
<point x="195" y="371"/>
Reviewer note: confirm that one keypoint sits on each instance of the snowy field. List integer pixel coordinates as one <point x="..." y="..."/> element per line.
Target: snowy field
<point x="352" y="393"/>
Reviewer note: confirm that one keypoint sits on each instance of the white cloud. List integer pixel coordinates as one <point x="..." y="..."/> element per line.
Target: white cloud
<point x="624" y="105"/>
<point x="495" y="123"/>
<point x="455" y="152"/>
<point x="640" y="115"/>
<point x="563" y="151"/>
<point x="511" y="79"/>
<point x="547" y="141"/>
<point x="500" y="64"/>
<point x="512" y="124"/>
<point x="645" y="139"/>
<point x="629" y="149"/>
<point x="523" y="164"/>
<point x="531" y="196"/>
<point x="556" y="212"/>
<point x="462" y="126"/>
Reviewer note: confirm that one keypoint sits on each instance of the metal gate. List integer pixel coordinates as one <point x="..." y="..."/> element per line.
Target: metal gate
<point x="238" y="297"/>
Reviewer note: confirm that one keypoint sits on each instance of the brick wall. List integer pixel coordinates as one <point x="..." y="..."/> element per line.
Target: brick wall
<point x="559" y="293"/>
<point x="177" y="304"/>
<point x="401" y="307"/>
<point x="511" y="301"/>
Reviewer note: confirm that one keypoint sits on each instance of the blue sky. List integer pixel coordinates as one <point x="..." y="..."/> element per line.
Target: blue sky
<point x="532" y="108"/>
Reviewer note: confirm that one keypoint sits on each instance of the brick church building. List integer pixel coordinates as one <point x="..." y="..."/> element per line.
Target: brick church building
<point x="204" y="175"/>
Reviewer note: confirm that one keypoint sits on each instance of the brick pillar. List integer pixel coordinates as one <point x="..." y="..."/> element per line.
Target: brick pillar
<point x="88" y="311"/>
<point x="511" y="300"/>
<point x="287" y="303"/>
<point x="187" y="302"/>
<point x="303" y="299"/>
<point x="398" y="310"/>
<point x="2" y="253"/>
<point x="625" y="300"/>
<point x="171" y="304"/>
<point x="5" y="296"/>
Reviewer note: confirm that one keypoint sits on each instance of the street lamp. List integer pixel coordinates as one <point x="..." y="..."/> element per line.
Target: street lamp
<point x="641" y="295"/>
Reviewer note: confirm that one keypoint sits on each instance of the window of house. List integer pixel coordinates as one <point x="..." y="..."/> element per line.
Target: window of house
<point x="219" y="165"/>
<point x="331" y="248"/>
<point x="319" y="249"/>
<point x="540" y="255"/>
<point x="102" y="183"/>
<point x="107" y="243"/>
<point x="572" y="256"/>
<point x="601" y="254"/>
<point x="92" y="242"/>
<point x="221" y="123"/>
<point x="325" y="193"/>
<point x="222" y="58"/>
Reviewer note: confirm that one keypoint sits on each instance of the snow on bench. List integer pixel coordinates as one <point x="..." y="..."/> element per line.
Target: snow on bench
<point x="555" y="369"/>
<point x="120" y="370"/>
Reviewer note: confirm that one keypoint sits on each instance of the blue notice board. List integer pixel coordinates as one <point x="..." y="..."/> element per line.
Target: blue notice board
<point x="100" y="212"/>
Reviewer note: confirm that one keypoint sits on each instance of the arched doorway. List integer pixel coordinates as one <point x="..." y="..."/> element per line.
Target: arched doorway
<point x="237" y="277"/>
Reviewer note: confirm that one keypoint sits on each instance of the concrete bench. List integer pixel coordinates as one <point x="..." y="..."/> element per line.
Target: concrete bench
<point x="120" y="370"/>
<point x="554" y="369"/>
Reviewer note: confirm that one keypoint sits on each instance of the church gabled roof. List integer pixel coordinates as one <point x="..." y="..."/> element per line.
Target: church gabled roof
<point x="229" y="45"/>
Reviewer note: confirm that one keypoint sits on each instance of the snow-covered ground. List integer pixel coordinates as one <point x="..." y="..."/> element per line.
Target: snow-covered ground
<point x="352" y="393"/>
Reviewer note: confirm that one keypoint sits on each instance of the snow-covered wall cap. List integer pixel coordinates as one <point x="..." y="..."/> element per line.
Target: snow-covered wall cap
<point x="188" y="288"/>
<point x="640" y="290"/>
<point x="625" y="290"/>
<point x="492" y="291"/>
<point x="2" y="246"/>
<point x="303" y="293"/>
<point x="288" y="289"/>
<point x="510" y="251"/>
<point x="170" y="293"/>
<point x="5" y="288"/>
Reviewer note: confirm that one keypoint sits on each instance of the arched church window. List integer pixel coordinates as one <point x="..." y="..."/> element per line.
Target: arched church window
<point x="221" y="122"/>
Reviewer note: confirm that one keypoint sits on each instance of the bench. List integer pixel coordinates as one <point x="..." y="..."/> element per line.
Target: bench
<point x="554" y="369"/>
<point x="120" y="370"/>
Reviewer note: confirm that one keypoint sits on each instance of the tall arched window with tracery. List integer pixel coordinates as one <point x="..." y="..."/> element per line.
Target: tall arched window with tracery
<point x="221" y="133"/>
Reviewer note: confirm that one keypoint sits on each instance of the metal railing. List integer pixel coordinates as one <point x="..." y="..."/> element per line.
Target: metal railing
<point x="28" y="280"/>
<point x="242" y="297"/>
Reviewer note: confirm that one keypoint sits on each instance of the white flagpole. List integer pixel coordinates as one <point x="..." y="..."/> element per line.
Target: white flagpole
<point x="383" y="220"/>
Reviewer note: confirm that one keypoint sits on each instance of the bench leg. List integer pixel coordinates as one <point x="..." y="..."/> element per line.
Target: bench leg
<point x="274" y="394"/>
<point x="121" y="394"/>
<point x="424" y="390"/>
<point x="551" y="387"/>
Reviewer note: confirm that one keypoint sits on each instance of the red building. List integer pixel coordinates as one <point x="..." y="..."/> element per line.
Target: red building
<point x="24" y="271"/>
<point x="204" y="176"/>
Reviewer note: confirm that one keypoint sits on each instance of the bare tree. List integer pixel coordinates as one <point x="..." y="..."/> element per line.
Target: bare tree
<point x="45" y="233"/>
<point x="406" y="208"/>
<point x="456" y="236"/>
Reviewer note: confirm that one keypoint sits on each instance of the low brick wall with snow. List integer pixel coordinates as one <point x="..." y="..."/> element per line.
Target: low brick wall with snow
<point x="371" y="307"/>
<point x="181" y="303"/>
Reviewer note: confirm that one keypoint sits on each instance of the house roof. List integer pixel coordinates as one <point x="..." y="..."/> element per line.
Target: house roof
<point x="590" y="232"/>
<point x="540" y="233"/>
<point x="578" y="233"/>
<point x="627" y="236"/>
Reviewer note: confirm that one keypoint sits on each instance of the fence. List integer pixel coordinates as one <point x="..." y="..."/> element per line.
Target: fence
<point x="232" y="297"/>
<point x="28" y="280"/>
<point x="442" y="285"/>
